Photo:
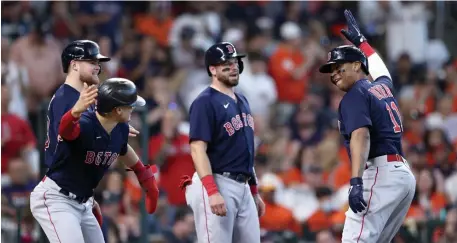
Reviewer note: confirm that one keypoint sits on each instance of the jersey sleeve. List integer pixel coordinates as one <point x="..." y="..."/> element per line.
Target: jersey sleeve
<point x="385" y="80"/>
<point x="202" y="120"/>
<point x="125" y="137"/>
<point x="355" y="111"/>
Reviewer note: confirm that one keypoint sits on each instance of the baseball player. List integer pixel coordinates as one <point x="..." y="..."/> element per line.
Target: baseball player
<point x="223" y="194"/>
<point x="382" y="185"/>
<point x="90" y="142"/>
<point x="81" y="61"/>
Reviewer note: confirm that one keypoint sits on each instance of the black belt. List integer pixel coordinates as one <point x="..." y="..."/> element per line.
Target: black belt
<point x="78" y="199"/>
<point x="239" y="177"/>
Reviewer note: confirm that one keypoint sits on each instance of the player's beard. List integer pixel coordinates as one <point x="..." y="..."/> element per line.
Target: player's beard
<point x="227" y="80"/>
<point x="89" y="79"/>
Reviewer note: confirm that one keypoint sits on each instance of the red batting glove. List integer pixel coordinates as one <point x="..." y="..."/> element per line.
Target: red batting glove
<point x="147" y="181"/>
<point x="97" y="213"/>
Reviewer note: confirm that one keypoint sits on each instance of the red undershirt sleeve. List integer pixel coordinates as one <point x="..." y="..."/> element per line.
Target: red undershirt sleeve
<point x="69" y="127"/>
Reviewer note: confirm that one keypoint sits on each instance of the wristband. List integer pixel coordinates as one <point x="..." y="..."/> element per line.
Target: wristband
<point x="356" y="181"/>
<point x="254" y="189"/>
<point x="366" y="49"/>
<point x="209" y="184"/>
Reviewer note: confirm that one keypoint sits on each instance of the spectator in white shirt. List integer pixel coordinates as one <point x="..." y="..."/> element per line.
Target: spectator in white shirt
<point x="259" y="88"/>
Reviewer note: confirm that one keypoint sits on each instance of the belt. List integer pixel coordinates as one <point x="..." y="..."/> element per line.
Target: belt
<point x="71" y="195"/>
<point x="391" y="158"/>
<point x="394" y="158"/>
<point x="238" y="177"/>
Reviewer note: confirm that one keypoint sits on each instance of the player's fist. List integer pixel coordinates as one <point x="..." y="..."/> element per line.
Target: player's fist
<point x="87" y="97"/>
<point x="353" y="33"/>
<point x="217" y="204"/>
<point x="356" y="201"/>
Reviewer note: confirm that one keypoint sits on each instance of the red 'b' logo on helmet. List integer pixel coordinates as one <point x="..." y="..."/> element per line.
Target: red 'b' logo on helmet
<point x="230" y="49"/>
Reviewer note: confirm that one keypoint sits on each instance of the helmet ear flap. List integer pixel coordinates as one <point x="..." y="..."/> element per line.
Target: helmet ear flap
<point x="240" y="65"/>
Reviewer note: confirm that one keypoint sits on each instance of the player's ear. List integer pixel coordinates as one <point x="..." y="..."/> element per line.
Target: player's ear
<point x="356" y="66"/>
<point x="212" y="70"/>
<point x="118" y="111"/>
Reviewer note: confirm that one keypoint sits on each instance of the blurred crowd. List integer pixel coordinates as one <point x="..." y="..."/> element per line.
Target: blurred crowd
<point x="302" y="166"/>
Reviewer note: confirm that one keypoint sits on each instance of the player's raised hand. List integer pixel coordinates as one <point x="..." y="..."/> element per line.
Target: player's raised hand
<point x="87" y="97"/>
<point x="217" y="204"/>
<point x="356" y="201"/>
<point x="353" y="33"/>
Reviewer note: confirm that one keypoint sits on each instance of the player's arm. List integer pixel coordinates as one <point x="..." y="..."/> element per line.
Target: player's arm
<point x="69" y="127"/>
<point x="360" y="148"/>
<point x="354" y="110"/>
<point x="355" y="113"/>
<point x="376" y="66"/>
<point x="201" y="116"/>
<point x="203" y="166"/>
<point x="145" y="174"/>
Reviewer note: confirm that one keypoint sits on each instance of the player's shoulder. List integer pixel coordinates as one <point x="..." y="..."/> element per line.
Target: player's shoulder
<point x="64" y="95"/>
<point x="205" y="97"/>
<point x="88" y="118"/>
<point x="242" y="97"/>
<point x="385" y="81"/>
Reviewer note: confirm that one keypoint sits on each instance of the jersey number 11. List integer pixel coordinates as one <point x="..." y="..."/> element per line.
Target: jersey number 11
<point x="393" y="106"/>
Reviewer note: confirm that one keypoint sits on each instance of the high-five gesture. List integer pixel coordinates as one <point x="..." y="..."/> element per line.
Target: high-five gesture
<point x="86" y="98"/>
<point x="353" y="33"/>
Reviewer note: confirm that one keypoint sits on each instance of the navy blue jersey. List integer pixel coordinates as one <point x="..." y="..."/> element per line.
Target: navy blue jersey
<point x="372" y="105"/>
<point x="228" y="128"/>
<point x="62" y="101"/>
<point x="79" y="165"/>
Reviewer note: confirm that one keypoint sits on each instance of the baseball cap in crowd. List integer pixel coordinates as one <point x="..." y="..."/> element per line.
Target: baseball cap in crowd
<point x="290" y="30"/>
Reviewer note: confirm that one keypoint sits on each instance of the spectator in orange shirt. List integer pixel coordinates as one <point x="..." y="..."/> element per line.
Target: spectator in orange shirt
<point x="320" y="220"/>
<point x="156" y="22"/>
<point x="430" y="192"/>
<point x="288" y="67"/>
<point x="171" y="152"/>
<point x="277" y="218"/>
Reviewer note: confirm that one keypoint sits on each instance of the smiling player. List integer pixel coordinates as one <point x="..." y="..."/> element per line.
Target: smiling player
<point x="91" y="142"/>
<point x="382" y="185"/>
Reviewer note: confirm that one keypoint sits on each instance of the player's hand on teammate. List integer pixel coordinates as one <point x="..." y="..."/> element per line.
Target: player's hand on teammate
<point x="87" y="97"/>
<point x="132" y="131"/>
<point x="353" y="33"/>
<point x="356" y="201"/>
<point x="217" y="204"/>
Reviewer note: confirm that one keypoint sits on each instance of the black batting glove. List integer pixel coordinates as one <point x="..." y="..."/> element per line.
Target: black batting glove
<point x="353" y="33"/>
<point x="356" y="201"/>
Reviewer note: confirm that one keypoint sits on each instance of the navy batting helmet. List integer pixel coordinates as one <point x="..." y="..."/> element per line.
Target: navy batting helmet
<point x="220" y="53"/>
<point x="343" y="54"/>
<point x="81" y="50"/>
<point x="117" y="92"/>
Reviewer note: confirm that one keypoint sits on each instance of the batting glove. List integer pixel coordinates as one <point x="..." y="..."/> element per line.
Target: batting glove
<point x="356" y="201"/>
<point x="353" y="33"/>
